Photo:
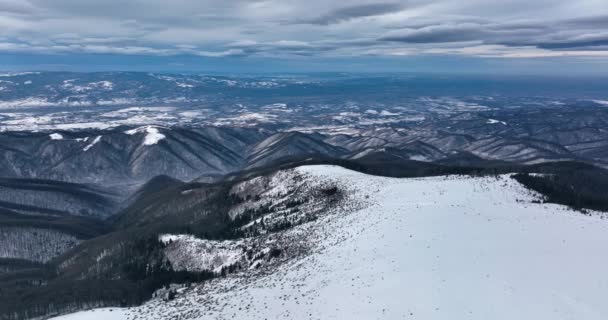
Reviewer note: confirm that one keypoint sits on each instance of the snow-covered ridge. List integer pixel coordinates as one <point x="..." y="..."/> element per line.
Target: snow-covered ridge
<point x="94" y="142"/>
<point x="153" y="135"/>
<point x="452" y="247"/>
<point x="494" y="121"/>
<point x="16" y="74"/>
<point x="56" y="136"/>
<point x="104" y="85"/>
<point x="81" y="101"/>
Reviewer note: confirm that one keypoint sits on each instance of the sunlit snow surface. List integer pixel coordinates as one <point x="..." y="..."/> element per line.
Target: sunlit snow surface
<point x="153" y="135"/>
<point x="429" y="248"/>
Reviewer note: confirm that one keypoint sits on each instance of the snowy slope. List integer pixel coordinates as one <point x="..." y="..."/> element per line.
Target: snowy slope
<point x="428" y="248"/>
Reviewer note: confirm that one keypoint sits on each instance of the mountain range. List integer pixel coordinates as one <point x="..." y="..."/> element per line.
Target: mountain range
<point x="160" y="192"/>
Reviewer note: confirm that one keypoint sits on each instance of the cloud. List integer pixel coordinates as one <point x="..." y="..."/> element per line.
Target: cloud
<point x="598" y="44"/>
<point x="436" y="34"/>
<point x="517" y="34"/>
<point x="312" y="28"/>
<point x="16" y="6"/>
<point x="352" y="12"/>
<point x="118" y="50"/>
<point x="590" y="22"/>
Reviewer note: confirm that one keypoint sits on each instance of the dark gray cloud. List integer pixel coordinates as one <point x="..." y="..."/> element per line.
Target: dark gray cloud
<point x="436" y="34"/>
<point x="596" y="44"/>
<point x="557" y="36"/>
<point x="352" y="12"/>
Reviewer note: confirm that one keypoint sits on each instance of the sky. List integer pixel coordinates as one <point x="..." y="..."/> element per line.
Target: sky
<point x="475" y="36"/>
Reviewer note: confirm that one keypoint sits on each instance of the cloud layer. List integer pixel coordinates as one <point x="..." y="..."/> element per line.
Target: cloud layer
<point x="292" y="29"/>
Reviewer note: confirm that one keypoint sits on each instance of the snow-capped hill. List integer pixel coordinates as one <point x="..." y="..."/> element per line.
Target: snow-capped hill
<point x="450" y="247"/>
<point x="153" y="134"/>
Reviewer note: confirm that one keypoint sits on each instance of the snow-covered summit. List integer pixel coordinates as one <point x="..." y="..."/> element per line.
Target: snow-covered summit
<point x="56" y="136"/>
<point x="153" y="134"/>
<point x="452" y="247"/>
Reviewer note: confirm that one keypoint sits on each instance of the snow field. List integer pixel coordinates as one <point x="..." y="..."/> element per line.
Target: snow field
<point x="450" y="247"/>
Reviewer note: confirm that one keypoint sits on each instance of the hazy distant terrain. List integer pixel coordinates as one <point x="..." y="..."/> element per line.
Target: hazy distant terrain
<point x="62" y="100"/>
